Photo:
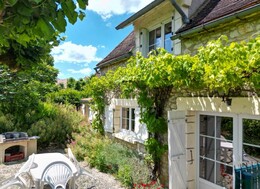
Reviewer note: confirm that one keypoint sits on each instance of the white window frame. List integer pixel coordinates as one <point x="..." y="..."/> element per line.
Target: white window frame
<point x="130" y="121"/>
<point x="162" y="26"/>
<point x="237" y="143"/>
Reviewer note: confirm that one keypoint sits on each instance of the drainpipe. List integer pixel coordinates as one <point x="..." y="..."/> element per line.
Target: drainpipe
<point x="185" y="19"/>
<point x="238" y="15"/>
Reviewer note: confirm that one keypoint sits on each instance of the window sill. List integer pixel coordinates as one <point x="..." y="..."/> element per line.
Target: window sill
<point x="128" y="136"/>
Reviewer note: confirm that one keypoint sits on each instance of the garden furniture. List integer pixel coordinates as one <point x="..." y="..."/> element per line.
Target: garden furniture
<point x="56" y="175"/>
<point x="81" y="170"/>
<point x="18" y="179"/>
<point x="46" y="159"/>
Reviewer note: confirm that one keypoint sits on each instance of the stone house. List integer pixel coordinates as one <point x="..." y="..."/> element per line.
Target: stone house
<point x="206" y="135"/>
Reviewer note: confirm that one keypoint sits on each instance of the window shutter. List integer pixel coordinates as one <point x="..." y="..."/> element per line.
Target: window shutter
<point x="116" y="119"/>
<point x="144" y="41"/>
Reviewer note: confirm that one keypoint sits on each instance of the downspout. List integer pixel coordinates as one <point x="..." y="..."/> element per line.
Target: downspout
<point x="184" y="17"/>
<point x="215" y="23"/>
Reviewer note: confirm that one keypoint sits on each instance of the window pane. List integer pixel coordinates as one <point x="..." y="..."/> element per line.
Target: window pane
<point x="125" y="118"/>
<point x="133" y="119"/>
<point x="224" y="175"/>
<point x="207" y="147"/>
<point x="167" y="37"/>
<point x="207" y="169"/>
<point x="225" y="128"/>
<point x="207" y="125"/>
<point x="224" y="151"/>
<point x="251" y="140"/>
<point x="155" y="39"/>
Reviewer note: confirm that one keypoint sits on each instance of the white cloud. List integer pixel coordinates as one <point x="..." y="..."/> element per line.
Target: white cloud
<point x="108" y="8"/>
<point x="70" y="52"/>
<point x="85" y="71"/>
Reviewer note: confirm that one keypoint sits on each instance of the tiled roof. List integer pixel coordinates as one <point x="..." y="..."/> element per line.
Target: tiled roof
<point x="214" y="9"/>
<point x="123" y="50"/>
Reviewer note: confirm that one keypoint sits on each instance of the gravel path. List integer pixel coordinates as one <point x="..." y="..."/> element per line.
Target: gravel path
<point x="102" y="181"/>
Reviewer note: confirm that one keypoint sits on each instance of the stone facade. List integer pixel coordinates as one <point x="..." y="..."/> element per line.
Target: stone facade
<point x="239" y="30"/>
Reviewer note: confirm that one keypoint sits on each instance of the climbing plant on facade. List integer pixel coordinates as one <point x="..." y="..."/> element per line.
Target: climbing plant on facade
<point x="218" y="68"/>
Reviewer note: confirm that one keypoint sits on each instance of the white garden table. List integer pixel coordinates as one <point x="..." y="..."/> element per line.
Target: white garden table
<point x="41" y="161"/>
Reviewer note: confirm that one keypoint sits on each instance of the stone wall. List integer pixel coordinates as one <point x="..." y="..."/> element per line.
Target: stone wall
<point x="239" y="30"/>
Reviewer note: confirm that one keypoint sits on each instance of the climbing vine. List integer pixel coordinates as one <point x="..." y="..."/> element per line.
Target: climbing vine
<point x="219" y="67"/>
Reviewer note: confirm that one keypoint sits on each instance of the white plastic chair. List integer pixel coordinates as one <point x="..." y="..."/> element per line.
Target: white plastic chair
<point x="17" y="179"/>
<point x="81" y="170"/>
<point x="57" y="175"/>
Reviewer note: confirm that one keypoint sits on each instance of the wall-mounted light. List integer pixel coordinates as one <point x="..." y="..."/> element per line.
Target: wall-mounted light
<point x="227" y="100"/>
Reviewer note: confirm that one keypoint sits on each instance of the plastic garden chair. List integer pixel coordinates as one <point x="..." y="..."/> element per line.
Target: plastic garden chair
<point x="56" y="175"/>
<point x="81" y="170"/>
<point x="17" y="179"/>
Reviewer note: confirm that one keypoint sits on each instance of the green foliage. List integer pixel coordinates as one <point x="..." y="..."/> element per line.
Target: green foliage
<point x="6" y="122"/>
<point x="27" y="21"/>
<point x="23" y="90"/>
<point x="55" y="124"/>
<point x="219" y="67"/>
<point x="109" y="156"/>
<point x="155" y="148"/>
<point x="66" y="96"/>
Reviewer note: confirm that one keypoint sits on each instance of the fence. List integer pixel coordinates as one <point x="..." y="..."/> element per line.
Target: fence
<point x="247" y="177"/>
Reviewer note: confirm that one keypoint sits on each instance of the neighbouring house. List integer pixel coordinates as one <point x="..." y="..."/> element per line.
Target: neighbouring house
<point x="62" y="82"/>
<point x="207" y="136"/>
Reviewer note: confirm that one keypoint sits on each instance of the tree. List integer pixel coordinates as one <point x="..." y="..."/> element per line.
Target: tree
<point x="34" y="23"/>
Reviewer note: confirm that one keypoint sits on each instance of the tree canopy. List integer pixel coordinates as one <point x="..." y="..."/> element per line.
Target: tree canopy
<point x="28" y="25"/>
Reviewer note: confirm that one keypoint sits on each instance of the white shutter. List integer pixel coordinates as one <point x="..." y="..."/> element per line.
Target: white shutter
<point x="177" y="156"/>
<point x="140" y="128"/>
<point x="108" y="119"/>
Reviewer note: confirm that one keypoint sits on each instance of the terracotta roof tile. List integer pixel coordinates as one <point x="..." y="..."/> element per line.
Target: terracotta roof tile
<point x="214" y="9"/>
<point x="124" y="50"/>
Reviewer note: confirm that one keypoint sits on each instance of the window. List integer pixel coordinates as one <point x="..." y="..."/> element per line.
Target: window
<point x="251" y="140"/>
<point x="128" y="119"/>
<point x="216" y="149"/>
<point x="161" y="37"/>
<point x="155" y="39"/>
<point x="167" y="37"/>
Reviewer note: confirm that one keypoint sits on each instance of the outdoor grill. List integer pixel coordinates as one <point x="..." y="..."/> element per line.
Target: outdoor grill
<point x="16" y="146"/>
<point x="11" y="136"/>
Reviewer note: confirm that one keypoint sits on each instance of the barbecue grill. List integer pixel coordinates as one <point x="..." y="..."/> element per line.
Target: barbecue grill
<point x="16" y="146"/>
<point x="11" y="136"/>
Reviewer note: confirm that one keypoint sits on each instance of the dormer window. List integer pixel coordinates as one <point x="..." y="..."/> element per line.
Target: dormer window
<point x="167" y="37"/>
<point x="161" y="37"/>
<point x="155" y="39"/>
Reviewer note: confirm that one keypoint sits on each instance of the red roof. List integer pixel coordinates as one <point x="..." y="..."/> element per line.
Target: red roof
<point x="122" y="51"/>
<point x="214" y="9"/>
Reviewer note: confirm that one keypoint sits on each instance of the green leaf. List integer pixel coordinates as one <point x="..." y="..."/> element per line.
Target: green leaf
<point x="82" y="4"/>
<point x="24" y="10"/>
<point x="12" y="2"/>
<point x="69" y="10"/>
<point x="60" y="23"/>
<point x="81" y="15"/>
<point x="37" y="1"/>
<point x="45" y="28"/>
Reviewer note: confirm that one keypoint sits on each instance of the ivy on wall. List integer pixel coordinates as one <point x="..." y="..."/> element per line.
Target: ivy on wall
<point x="219" y="67"/>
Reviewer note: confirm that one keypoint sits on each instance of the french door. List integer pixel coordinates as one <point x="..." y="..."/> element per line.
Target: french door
<point x="225" y="141"/>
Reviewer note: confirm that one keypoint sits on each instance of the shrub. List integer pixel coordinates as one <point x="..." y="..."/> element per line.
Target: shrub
<point x="6" y="122"/>
<point x="56" y="124"/>
<point x="110" y="157"/>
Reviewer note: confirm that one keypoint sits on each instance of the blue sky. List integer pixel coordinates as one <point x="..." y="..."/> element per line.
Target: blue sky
<point x="89" y="41"/>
